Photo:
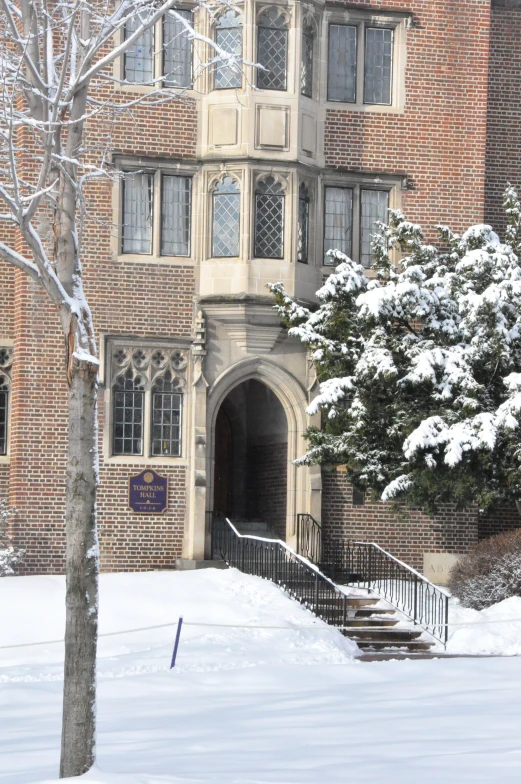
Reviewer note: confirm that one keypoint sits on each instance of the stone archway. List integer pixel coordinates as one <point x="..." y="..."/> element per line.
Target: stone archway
<point x="251" y="457"/>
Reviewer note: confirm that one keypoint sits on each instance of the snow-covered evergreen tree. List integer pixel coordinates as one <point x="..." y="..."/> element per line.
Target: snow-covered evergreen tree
<point x="420" y="366"/>
<point x="10" y="557"/>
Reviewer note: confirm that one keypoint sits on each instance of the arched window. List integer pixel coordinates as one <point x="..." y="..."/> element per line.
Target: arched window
<point x="128" y="403"/>
<point x="167" y="402"/>
<point x="306" y="66"/>
<point x="303" y="224"/>
<point x="228" y="35"/>
<point x="272" y="49"/>
<point x="269" y="219"/>
<point x="226" y="218"/>
<point x="6" y="358"/>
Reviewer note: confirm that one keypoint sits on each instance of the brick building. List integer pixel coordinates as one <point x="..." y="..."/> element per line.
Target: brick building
<point x="250" y="179"/>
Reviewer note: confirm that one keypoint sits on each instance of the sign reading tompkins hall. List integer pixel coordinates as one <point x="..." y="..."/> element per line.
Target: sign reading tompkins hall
<point x="148" y="492"/>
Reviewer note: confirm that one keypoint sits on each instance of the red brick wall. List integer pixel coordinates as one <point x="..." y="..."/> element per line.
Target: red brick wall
<point x="439" y="141"/>
<point x="504" y="109"/>
<point x="498" y="521"/>
<point x="141" y="299"/>
<point x="406" y="536"/>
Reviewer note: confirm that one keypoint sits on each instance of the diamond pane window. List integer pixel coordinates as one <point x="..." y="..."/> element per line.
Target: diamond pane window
<point x="128" y="403"/>
<point x="306" y="68"/>
<point x="338" y="222"/>
<point x="175" y="215"/>
<point x="373" y="208"/>
<point x="378" y="65"/>
<point x="341" y="73"/>
<point x="272" y="50"/>
<point x="269" y="220"/>
<point x="303" y="224"/>
<point x="228" y="36"/>
<point x="226" y="218"/>
<point x="177" y="51"/>
<point x="166" y="417"/>
<point x="137" y="212"/>
<point x="138" y="61"/>
<point x="4" y="411"/>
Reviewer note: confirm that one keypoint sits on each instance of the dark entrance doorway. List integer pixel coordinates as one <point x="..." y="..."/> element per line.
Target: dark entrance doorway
<point x="251" y="454"/>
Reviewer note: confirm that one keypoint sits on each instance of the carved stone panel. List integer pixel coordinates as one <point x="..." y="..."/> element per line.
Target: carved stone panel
<point x="309" y="134"/>
<point x="272" y="127"/>
<point x="224" y="123"/>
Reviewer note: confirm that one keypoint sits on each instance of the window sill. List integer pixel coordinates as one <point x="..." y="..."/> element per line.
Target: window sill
<point x="144" y="461"/>
<point x="144" y="89"/>
<point x="5" y="460"/>
<point x="143" y="258"/>
<point x="375" y="108"/>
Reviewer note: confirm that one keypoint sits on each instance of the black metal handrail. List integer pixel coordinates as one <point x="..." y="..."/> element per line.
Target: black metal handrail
<point x="273" y="560"/>
<point x="367" y="565"/>
<point x="309" y="538"/>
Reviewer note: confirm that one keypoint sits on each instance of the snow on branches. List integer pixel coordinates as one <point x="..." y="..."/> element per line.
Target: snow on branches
<point x="10" y="557"/>
<point x="420" y="364"/>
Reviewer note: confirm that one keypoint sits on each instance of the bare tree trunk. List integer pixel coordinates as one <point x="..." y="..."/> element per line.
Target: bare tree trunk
<point x="79" y="695"/>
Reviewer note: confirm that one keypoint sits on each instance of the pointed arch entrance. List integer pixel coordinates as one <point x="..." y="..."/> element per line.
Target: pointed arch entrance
<point x="251" y="456"/>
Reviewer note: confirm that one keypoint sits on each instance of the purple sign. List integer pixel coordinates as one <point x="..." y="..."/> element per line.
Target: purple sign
<point x="148" y="492"/>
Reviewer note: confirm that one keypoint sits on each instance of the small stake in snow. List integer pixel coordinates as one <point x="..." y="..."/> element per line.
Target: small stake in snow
<point x="176" y="644"/>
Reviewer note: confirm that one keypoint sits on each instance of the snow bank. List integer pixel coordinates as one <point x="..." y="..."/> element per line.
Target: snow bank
<point x="495" y="631"/>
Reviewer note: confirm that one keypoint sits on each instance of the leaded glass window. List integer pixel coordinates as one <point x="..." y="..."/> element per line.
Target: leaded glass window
<point x="175" y="215"/>
<point x="306" y="67"/>
<point x="269" y="219"/>
<point x="4" y="412"/>
<point x="128" y="404"/>
<point x="177" y="51"/>
<point x="226" y="218"/>
<point x="341" y="77"/>
<point x="378" y="60"/>
<point x="138" y="61"/>
<point x="373" y="207"/>
<point x="303" y="224"/>
<point x="166" y="416"/>
<point x="228" y="36"/>
<point x="272" y="50"/>
<point x="338" y="222"/>
<point x="137" y="212"/>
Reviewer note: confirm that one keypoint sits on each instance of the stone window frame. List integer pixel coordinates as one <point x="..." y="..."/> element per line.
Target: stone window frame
<point x="239" y="11"/>
<point x="291" y="70"/>
<point x="394" y="184"/>
<point x="112" y="369"/>
<point x="399" y="22"/>
<point x="309" y="27"/>
<point x="287" y="181"/>
<point x="158" y="56"/>
<point x="6" y="365"/>
<point x="158" y="169"/>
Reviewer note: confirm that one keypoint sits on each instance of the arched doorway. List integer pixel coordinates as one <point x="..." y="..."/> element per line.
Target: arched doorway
<point x="251" y="456"/>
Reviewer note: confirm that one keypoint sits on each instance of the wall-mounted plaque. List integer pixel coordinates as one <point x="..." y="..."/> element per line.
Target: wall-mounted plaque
<point x="148" y="492"/>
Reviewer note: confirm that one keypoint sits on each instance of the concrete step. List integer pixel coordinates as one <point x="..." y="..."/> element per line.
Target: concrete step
<point x="255" y="528"/>
<point x="382" y="645"/>
<point x="385" y="633"/>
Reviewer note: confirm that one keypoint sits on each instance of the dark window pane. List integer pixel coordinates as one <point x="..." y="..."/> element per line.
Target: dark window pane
<point x="269" y="220"/>
<point x="378" y="65"/>
<point x="272" y="50"/>
<point x="137" y="213"/>
<point x="4" y="403"/>
<point x="139" y="58"/>
<point x="128" y="402"/>
<point x="303" y="225"/>
<point x="175" y="216"/>
<point x="341" y="74"/>
<point x="373" y="207"/>
<point x="228" y="36"/>
<point x="166" y="417"/>
<point x="177" y="51"/>
<point x="306" y="68"/>
<point x="226" y="218"/>
<point x="338" y="222"/>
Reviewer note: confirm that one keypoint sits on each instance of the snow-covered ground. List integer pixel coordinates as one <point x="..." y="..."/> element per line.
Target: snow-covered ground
<point x="249" y="706"/>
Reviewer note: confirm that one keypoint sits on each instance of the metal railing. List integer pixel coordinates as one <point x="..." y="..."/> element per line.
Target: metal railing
<point x="309" y="538"/>
<point x="273" y="560"/>
<point x="366" y="565"/>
